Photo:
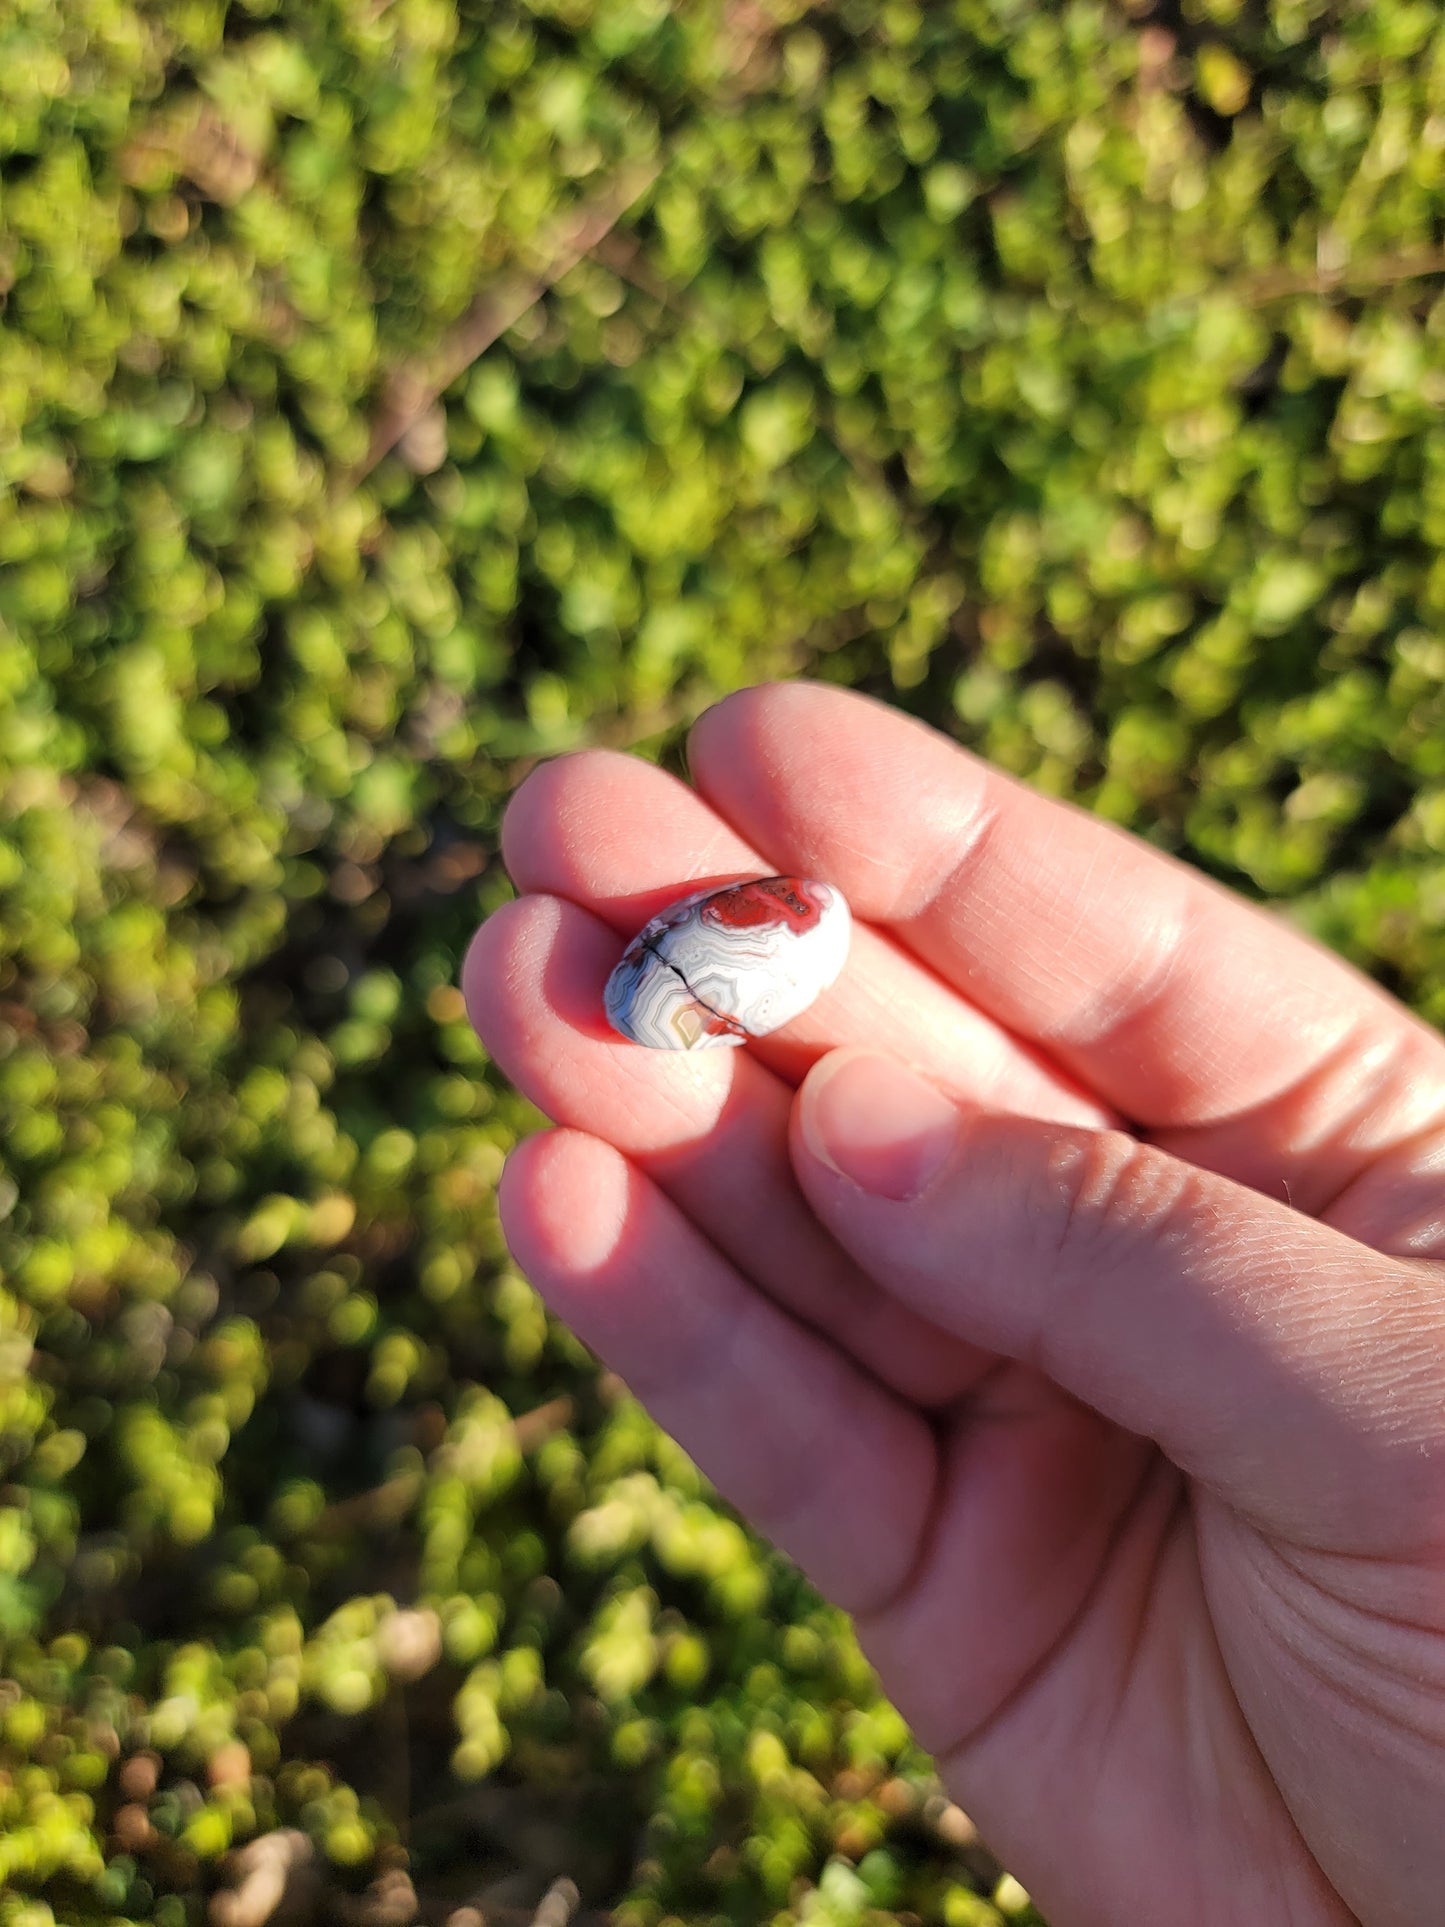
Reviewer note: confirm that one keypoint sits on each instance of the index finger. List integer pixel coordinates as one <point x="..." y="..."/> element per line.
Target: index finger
<point x="622" y="838"/>
<point x="1235" y="1041"/>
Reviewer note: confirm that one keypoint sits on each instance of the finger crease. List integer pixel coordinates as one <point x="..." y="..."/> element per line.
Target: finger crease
<point x="926" y="888"/>
<point x="948" y="1426"/>
<point x="1033" y="1674"/>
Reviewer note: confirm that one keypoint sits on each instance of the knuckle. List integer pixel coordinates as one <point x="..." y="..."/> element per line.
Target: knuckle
<point x="1104" y="1194"/>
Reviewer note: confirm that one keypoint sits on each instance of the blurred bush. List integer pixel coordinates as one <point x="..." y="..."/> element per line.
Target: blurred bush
<point x="1072" y="374"/>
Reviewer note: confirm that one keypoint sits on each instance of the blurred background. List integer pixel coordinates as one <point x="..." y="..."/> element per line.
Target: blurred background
<point x="393" y="392"/>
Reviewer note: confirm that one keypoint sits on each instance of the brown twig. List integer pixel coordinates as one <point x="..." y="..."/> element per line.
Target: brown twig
<point x="1278" y="284"/>
<point x="543" y="1422"/>
<point x="414" y="386"/>
<point x="381" y="1506"/>
<point x="388" y="1503"/>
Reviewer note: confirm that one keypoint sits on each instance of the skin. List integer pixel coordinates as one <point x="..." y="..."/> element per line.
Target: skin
<point x="1062" y="1292"/>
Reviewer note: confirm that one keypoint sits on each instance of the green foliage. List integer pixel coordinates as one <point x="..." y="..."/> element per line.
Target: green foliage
<point x="1072" y="377"/>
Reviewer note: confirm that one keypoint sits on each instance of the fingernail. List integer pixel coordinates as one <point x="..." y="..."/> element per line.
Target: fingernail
<point x="877" y="1124"/>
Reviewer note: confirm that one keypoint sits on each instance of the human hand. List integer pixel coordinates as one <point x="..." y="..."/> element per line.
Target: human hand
<point x="1106" y="1389"/>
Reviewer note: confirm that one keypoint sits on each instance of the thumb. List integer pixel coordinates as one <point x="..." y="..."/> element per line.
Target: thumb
<point x="1295" y="1372"/>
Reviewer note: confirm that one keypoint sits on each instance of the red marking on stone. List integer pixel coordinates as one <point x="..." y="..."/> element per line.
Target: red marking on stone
<point x="709" y="1022"/>
<point x="716" y="1025"/>
<point x="770" y="900"/>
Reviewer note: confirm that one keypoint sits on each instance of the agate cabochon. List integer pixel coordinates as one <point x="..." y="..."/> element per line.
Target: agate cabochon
<point x="730" y="963"/>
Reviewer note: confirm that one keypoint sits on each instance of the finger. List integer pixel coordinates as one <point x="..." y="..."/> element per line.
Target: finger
<point x="1183" y="1306"/>
<point x="1034" y="1489"/>
<point x="1237" y="1042"/>
<point x="831" y="1467"/>
<point x="709" y="1127"/>
<point x="623" y="838"/>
